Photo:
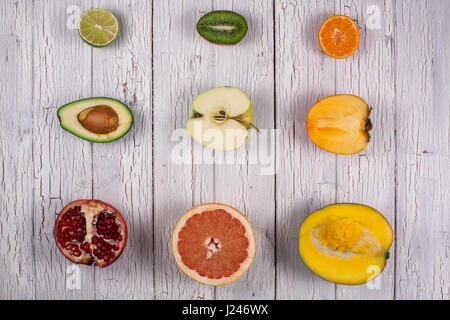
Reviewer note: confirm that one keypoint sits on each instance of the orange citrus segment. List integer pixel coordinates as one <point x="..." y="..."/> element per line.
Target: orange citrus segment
<point x="213" y="244"/>
<point x="339" y="36"/>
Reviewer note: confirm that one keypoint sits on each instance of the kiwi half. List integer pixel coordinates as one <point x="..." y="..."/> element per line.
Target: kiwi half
<point x="222" y="27"/>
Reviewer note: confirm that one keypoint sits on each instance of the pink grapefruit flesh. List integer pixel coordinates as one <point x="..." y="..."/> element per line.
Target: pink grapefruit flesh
<point x="213" y="244"/>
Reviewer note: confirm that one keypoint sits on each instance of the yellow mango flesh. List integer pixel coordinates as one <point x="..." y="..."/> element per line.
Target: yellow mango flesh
<point x="340" y="234"/>
<point x="345" y="243"/>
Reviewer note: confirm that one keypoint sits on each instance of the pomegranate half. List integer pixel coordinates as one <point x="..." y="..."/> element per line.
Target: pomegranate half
<point x="90" y="232"/>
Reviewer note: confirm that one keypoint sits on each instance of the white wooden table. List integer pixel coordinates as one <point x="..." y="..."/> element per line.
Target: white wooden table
<point x="156" y="66"/>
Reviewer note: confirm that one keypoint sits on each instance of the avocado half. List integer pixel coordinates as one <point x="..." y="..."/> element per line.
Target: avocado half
<point x="118" y="117"/>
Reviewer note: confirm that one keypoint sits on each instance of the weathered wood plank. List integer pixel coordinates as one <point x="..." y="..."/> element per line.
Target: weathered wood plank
<point x="369" y="176"/>
<point x="402" y="70"/>
<point x="306" y="176"/>
<point x="246" y="186"/>
<point x="182" y="64"/>
<point x="62" y="162"/>
<point x="423" y="114"/>
<point x="17" y="280"/>
<point x="122" y="170"/>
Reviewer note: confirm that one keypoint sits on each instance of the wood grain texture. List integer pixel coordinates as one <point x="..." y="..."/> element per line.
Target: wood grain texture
<point x="179" y="54"/>
<point x="423" y="111"/>
<point x="249" y="66"/>
<point x="62" y="162"/>
<point x="17" y="262"/>
<point x="306" y="179"/>
<point x="157" y="65"/>
<point x="122" y="170"/>
<point x="369" y="176"/>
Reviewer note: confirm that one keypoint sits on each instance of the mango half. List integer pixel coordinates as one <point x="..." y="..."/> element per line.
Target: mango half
<point x="345" y="243"/>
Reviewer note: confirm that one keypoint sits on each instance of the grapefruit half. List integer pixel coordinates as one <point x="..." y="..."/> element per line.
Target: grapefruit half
<point x="213" y="244"/>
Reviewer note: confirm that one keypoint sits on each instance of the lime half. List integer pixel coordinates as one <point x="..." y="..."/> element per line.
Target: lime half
<point x="98" y="27"/>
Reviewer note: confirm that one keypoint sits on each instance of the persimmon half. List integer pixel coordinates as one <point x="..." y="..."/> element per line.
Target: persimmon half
<point x="340" y="124"/>
<point x="339" y="36"/>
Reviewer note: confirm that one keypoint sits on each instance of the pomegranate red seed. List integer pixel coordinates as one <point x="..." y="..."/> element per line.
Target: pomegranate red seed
<point x="85" y="246"/>
<point x="72" y="232"/>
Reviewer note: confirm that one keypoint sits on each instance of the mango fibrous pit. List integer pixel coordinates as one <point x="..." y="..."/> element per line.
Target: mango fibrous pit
<point x="343" y="237"/>
<point x="340" y="234"/>
<point x="340" y="124"/>
<point x="99" y="119"/>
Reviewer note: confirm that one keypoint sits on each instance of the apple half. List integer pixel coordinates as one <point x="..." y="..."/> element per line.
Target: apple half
<point x="221" y="118"/>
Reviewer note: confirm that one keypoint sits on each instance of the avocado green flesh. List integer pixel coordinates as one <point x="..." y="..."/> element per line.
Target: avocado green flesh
<point x="68" y="117"/>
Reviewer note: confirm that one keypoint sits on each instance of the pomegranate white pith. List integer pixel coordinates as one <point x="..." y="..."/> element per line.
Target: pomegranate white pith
<point x="212" y="245"/>
<point x="90" y="232"/>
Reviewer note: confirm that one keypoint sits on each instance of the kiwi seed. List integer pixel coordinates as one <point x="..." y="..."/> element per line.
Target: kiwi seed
<point x="222" y="27"/>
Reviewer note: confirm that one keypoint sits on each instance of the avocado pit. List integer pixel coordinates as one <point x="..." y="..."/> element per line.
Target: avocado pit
<point x="99" y="119"/>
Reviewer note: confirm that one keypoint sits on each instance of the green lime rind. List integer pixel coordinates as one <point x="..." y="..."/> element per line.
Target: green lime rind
<point x="93" y="45"/>
<point x="99" y="99"/>
<point x="98" y="27"/>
